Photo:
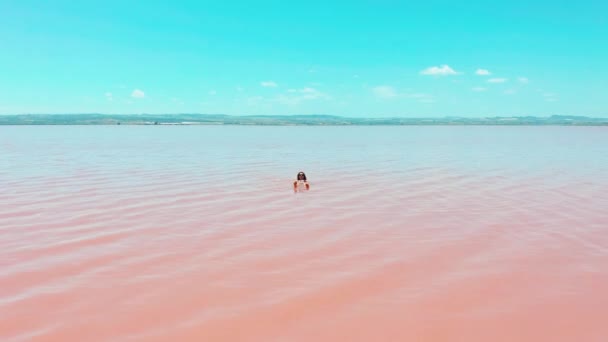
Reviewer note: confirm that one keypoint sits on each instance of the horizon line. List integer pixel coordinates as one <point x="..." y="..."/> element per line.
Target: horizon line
<point x="323" y="115"/>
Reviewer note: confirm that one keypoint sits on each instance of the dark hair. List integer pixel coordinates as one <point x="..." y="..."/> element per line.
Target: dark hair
<point x="302" y="174"/>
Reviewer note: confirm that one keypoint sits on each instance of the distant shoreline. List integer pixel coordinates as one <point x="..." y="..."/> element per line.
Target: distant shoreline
<point x="288" y="120"/>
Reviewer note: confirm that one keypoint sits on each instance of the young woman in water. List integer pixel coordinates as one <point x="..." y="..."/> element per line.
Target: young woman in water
<point x="301" y="184"/>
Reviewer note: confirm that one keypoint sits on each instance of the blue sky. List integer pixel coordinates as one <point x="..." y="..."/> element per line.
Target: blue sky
<point x="351" y="58"/>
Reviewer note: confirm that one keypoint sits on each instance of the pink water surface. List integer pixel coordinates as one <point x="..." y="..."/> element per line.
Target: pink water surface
<point x="407" y="234"/>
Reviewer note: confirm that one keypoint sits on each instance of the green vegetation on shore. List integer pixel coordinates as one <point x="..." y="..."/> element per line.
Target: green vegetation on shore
<point x="285" y="120"/>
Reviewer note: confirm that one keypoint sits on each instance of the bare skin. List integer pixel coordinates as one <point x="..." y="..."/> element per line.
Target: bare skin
<point x="301" y="177"/>
<point x="295" y="186"/>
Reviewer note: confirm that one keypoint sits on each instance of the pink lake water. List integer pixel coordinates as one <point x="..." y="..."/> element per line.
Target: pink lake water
<point x="190" y="233"/>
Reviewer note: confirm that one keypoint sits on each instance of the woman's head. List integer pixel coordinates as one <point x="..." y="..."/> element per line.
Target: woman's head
<point x="301" y="176"/>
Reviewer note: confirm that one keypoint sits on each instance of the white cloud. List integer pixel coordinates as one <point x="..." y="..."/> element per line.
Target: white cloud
<point x="523" y="80"/>
<point x="509" y="92"/>
<point x="303" y="94"/>
<point x="138" y="94"/>
<point x="478" y="89"/>
<point x="482" y="72"/>
<point x="108" y="94"/>
<point x="443" y="70"/>
<point x="311" y="93"/>
<point x="384" y="92"/>
<point x="497" y="80"/>
<point x="292" y="90"/>
<point x="239" y="89"/>
<point x="268" y="84"/>
<point x="212" y="92"/>
<point x="387" y="92"/>
<point x="548" y="94"/>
